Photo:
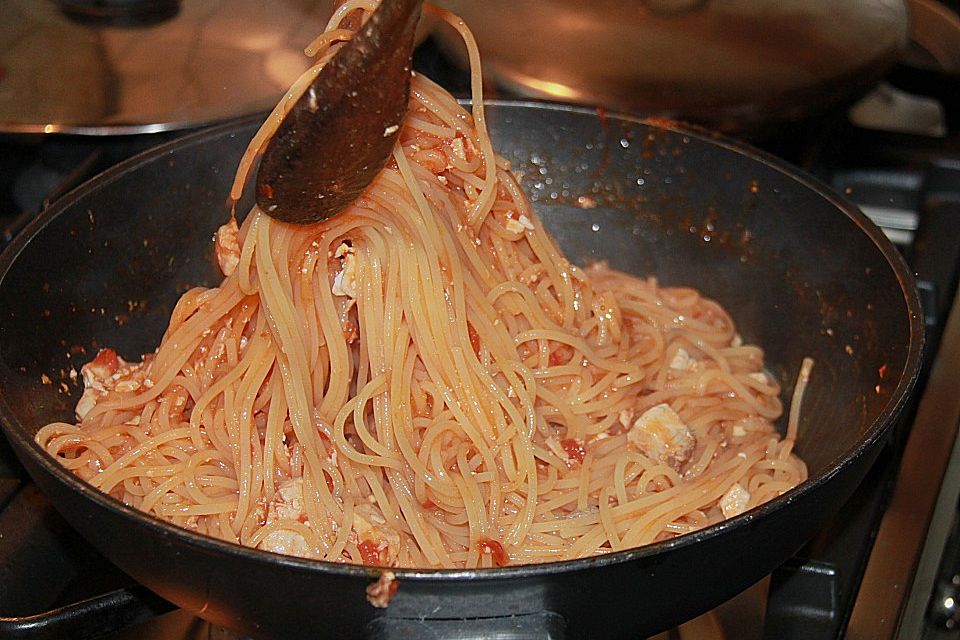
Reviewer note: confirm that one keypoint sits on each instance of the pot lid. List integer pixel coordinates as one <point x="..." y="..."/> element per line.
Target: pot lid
<point x="105" y="67"/>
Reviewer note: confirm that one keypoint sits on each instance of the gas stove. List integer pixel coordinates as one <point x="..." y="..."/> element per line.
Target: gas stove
<point x="887" y="567"/>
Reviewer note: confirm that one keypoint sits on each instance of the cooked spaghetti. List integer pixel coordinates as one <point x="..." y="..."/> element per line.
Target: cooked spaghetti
<point x="425" y="381"/>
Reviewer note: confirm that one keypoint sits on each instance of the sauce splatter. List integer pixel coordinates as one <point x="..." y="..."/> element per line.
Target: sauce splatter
<point x="369" y="553"/>
<point x="474" y="338"/>
<point x="495" y="549"/>
<point x="574" y="449"/>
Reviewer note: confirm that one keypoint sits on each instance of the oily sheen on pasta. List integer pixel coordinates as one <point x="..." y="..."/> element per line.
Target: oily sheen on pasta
<point x="426" y="381"/>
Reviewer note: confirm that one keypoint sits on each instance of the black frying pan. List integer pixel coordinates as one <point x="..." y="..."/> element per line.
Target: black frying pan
<point x="803" y="273"/>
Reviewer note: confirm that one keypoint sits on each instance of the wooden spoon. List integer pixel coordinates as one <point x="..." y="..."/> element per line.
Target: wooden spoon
<point x="340" y="133"/>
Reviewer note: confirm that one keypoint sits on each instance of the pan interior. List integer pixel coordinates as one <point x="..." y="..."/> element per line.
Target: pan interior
<point x="798" y="273"/>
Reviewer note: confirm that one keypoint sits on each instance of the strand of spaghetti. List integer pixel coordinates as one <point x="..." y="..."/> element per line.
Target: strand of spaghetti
<point x="105" y="481"/>
<point x="482" y="204"/>
<point x="796" y="400"/>
<point x="349" y="450"/>
<point x="258" y="352"/>
<point x="249" y="467"/>
<point x="359" y="402"/>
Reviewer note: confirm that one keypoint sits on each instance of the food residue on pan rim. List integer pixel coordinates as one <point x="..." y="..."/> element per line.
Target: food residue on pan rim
<point x="380" y="593"/>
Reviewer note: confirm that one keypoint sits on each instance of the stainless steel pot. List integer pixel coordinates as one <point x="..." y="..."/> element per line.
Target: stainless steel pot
<point x="106" y="68"/>
<point x="732" y="64"/>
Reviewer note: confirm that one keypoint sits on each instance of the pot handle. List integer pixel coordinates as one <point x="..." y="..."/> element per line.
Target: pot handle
<point x="88" y="619"/>
<point x="544" y="625"/>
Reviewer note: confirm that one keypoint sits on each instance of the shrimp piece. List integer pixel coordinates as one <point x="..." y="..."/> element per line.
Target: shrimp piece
<point x="287" y="504"/>
<point x="227" y="245"/>
<point x="378" y="543"/>
<point x="107" y="372"/>
<point x="345" y="281"/>
<point x="734" y="501"/>
<point x="661" y="435"/>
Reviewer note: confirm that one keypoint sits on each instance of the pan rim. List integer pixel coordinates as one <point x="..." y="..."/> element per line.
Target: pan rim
<point x="898" y="397"/>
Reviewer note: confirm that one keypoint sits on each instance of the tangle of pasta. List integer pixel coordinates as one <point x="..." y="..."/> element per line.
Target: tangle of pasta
<point x="425" y="381"/>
